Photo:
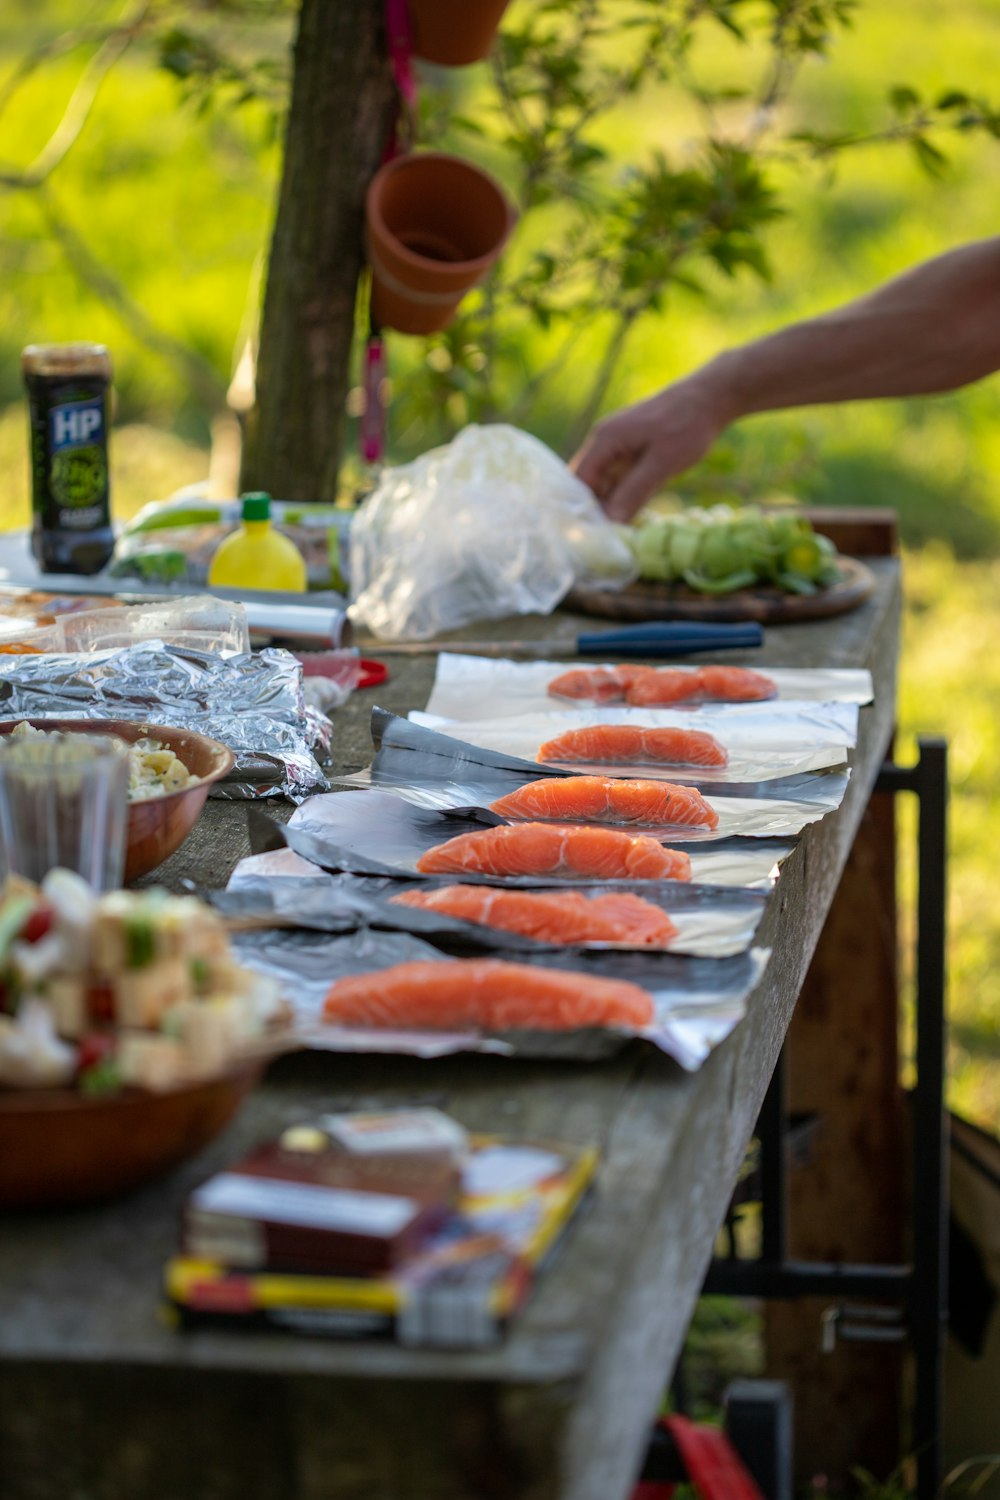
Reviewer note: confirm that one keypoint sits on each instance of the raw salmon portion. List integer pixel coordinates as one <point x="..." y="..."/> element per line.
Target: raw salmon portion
<point x="556" y="849"/>
<point x="736" y="684"/>
<point x="552" y="916"/>
<point x="646" y="687"/>
<point x="633" y="743"/>
<point x="662" y="686"/>
<point x="596" y="684"/>
<point x="607" y="799"/>
<point x="450" y="995"/>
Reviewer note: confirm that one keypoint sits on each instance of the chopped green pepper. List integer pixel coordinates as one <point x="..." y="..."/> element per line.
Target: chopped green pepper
<point x="140" y="941"/>
<point x="14" y="912"/>
<point x="102" y="1077"/>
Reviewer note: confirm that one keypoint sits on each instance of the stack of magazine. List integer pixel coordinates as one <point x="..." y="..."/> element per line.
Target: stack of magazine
<point x="393" y="1224"/>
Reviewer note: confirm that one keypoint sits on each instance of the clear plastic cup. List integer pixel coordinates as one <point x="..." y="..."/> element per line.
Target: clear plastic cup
<point x="64" y="804"/>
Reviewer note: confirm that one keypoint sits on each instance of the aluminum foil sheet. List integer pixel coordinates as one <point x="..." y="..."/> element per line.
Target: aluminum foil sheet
<point x="739" y="817"/>
<point x="698" y="1001"/>
<point x="711" y="922"/>
<point x="253" y="704"/>
<point x="383" y="833"/>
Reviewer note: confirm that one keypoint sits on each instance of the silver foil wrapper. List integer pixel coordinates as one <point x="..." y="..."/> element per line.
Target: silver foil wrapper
<point x="254" y="704"/>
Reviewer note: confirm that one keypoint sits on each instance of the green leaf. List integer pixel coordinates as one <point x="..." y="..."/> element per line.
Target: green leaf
<point x="930" y="158"/>
<point x="466" y="123"/>
<point x="904" y="99"/>
<point x="726" y="20"/>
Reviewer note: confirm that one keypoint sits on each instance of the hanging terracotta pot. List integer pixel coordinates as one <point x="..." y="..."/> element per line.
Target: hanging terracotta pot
<point x="454" y="32"/>
<point x="435" y="224"/>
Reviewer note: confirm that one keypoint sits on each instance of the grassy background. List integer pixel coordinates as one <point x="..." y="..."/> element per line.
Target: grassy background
<point x="178" y="206"/>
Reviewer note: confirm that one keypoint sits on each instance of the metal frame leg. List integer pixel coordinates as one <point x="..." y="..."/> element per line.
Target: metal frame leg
<point x="772" y="1128"/>
<point x="923" y="1284"/>
<point x="928" y="1305"/>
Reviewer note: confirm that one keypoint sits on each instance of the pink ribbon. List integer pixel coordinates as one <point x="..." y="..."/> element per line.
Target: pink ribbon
<point x="400" y="37"/>
<point x="372" y="427"/>
<point x="399" y="34"/>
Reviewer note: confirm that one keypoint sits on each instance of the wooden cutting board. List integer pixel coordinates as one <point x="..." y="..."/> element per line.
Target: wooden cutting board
<point x="771" y="606"/>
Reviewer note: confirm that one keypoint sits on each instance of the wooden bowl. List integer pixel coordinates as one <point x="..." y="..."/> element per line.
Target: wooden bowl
<point x="159" y="825"/>
<point x="59" y="1147"/>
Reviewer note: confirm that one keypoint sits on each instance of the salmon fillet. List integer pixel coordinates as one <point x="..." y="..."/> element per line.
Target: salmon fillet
<point x="556" y="849"/>
<point x="595" y="684"/>
<point x="552" y="916"/>
<point x="632" y="744"/>
<point x="449" y="995"/>
<point x="736" y="684"/>
<point x="648" y="687"/>
<point x="663" y="686"/>
<point x="607" y="799"/>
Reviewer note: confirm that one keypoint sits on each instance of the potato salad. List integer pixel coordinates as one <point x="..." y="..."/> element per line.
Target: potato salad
<point x="154" y="769"/>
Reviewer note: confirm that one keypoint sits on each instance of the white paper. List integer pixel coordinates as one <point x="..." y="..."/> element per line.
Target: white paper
<point x="479" y="687"/>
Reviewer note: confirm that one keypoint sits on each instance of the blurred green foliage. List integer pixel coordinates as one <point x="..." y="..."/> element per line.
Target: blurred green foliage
<point x="172" y="203"/>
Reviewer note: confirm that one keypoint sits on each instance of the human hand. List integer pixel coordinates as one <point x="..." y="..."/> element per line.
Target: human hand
<point x="630" y="454"/>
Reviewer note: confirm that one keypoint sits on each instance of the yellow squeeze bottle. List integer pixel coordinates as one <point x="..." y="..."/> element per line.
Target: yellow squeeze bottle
<point x="257" y="556"/>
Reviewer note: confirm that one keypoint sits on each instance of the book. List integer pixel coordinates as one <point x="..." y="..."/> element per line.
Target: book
<point x="459" y="1290"/>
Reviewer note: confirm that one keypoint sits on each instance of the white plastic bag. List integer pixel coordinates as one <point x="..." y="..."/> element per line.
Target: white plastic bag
<point x="493" y="524"/>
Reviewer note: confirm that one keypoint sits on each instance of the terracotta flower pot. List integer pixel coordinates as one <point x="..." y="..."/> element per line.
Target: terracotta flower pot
<point x="454" y="32"/>
<point x="436" y="224"/>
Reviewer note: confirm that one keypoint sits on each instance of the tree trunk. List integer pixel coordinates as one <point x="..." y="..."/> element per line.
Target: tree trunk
<point x="339" y="120"/>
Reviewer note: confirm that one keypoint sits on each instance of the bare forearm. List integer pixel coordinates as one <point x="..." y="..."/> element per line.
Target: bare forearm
<point x="933" y="329"/>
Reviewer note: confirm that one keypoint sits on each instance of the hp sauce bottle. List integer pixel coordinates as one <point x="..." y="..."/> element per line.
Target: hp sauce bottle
<point x="67" y="388"/>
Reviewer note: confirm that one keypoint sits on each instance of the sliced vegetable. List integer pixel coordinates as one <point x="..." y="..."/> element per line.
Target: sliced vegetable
<point x="103" y="1077"/>
<point x="14" y="913"/>
<point x="140" y="940"/>
<point x="728" y="584"/>
<point x="201" y="972"/>
<point x="725" y="548"/>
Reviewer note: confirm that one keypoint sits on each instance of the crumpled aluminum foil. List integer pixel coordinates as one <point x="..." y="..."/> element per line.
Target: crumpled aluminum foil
<point x="254" y="704"/>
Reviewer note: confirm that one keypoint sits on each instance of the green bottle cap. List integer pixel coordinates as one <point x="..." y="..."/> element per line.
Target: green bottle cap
<point x="257" y="506"/>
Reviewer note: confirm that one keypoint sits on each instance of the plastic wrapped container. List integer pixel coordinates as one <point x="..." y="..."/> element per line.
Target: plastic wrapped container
<point x="21" y="637"/>
<point x="199" y="622"/>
